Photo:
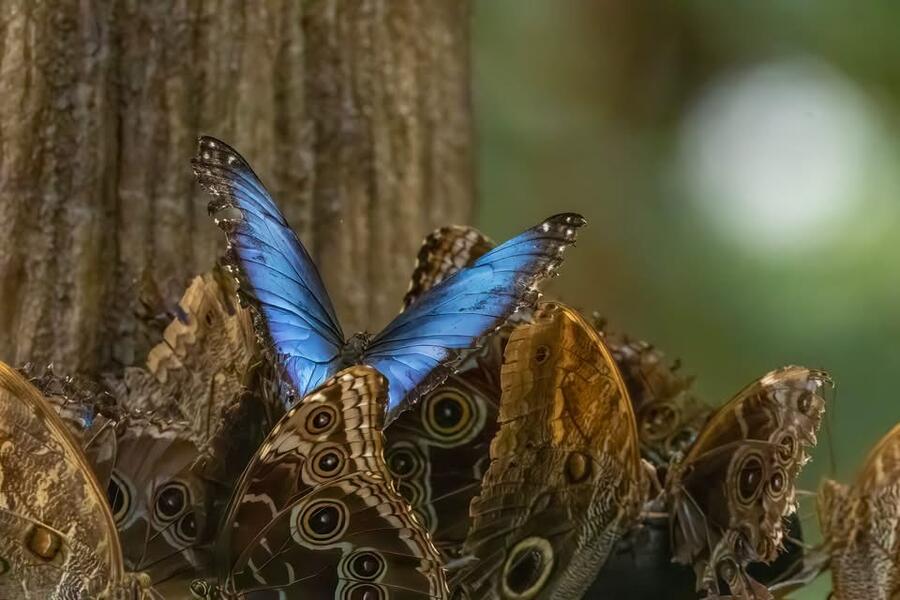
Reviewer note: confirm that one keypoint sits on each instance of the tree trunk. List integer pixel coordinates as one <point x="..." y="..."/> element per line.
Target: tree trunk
<point x="355" y="113"/>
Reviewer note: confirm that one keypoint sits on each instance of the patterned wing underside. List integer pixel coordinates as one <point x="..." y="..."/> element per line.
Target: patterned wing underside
<point x="861" y="526"/>
<point x="565" y="479"/>
<point x="315" y="514"/>
<point x="669" y="416"/>
<point x="201" y="366"/>
<point x="162" y="509"/>
<point x="730" y="495"/>
<point x="439" y="450"/>
<point x="57" y="537"/>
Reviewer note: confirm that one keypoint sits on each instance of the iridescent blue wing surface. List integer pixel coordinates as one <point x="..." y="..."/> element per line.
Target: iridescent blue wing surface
<point x="422" y="345"/>
<point x="278" y="277"/>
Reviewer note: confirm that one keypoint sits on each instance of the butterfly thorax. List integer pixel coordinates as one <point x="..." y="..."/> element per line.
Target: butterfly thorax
<point x="355" y="347"/>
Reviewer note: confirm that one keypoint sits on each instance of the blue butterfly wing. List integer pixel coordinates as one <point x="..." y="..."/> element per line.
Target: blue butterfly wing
<point x="422" y="345"/>
<point x="277" y="275"/>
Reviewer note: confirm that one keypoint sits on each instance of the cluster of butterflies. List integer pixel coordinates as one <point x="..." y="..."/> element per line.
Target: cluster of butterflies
<point x="484" y="445"/>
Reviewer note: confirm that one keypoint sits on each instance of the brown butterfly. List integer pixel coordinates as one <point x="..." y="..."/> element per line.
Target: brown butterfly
<point x="203" y="363"/>
<point x="669" y="415"/>
<point x="565" y="479"/>
<point x="57" y="534"/>
<point x="438" y="450"/>
<point x="729" y="496"/>
<point x="861" y="526"/>
<point x="315" y="514"/>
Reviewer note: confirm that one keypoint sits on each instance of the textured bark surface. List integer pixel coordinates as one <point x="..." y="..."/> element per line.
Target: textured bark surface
<point x="355" y="113"/>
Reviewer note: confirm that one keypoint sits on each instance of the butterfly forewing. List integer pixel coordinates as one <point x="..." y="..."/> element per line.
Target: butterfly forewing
<point x="730" y="494"/>
<point x="315" y="514"/>
<point x="565" y="479"/>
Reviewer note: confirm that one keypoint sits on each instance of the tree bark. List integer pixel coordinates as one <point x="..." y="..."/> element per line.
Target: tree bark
<point x="355" y="113"/>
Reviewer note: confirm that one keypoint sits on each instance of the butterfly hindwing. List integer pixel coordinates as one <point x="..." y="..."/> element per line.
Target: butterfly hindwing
<point x="57" y="535"/>
<point x="731" y="493"/>
<point x="163" y="510"/>
<point x="861" y="526"/>
<point x="315" y="514"/>
<point x="439" y="449"/>
<point x="277" y="274"/>
<point x="565" y="479"/>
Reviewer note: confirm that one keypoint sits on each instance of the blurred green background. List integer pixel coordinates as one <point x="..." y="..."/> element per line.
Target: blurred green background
<point x="739" y="168"/>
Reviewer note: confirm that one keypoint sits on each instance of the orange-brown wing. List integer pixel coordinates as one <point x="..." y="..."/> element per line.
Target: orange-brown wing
<point x="861" y="526"/>
<point x="57" y="536"/>
<point x="565" y="479"/>
<point x="732" y="491"/>
<point x="444" y="252"/>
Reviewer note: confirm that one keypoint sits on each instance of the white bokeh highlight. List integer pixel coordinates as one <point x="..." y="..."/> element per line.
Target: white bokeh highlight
<point x="776" y="156"/>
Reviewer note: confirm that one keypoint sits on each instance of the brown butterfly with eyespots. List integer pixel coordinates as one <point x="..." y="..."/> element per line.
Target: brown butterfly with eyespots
<point x="58" y="538"/>
<point x="315" y="514"/>
<point x="566" y="479"/>
<point x="729" y="497"/>
<point x="861" y="526"/>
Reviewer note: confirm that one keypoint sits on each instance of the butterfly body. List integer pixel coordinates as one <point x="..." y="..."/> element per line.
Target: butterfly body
<point x="861" y="526"/>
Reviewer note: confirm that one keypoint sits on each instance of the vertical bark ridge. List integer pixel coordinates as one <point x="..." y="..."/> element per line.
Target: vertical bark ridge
<point x="354" y="113"/>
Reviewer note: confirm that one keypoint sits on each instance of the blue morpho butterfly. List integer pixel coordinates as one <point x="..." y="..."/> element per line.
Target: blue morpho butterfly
<point x="420" y="347"/>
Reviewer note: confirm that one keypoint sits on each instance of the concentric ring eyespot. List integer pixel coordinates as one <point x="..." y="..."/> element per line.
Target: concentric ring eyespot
<point x="403" y="462"/>
<point x="365" y="591"/>
<point x="172" y="500"/>
<point x="527" y="568"/>
<point x="321" y="419"/>
<point x="787" y="446"/>
<point x="118" y="494"/>
<point x="777" y="483"/>
<point x="323" y="521"/>
<point x="328" y="462"/>
<point x="541" y="354"/>
<point x="727" y="570"/>
<point x="43" y="543"/>
<point x="749" y="478"/>
<point x="186" y="528"/>
<point x="412" y="493"/>
<point x="200" y="588"/>
<point x="366" y="565"/>
<point x="448" y="415"/>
